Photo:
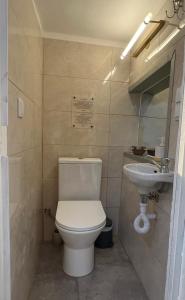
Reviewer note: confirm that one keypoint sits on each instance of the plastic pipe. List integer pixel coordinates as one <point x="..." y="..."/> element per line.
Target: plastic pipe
<point x="142" y="221"/>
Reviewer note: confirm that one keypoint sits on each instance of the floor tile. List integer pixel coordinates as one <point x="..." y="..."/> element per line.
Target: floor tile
<point x="54" y="288"/>
<point x="111" y="282"/>
<point x="113" y="277"/>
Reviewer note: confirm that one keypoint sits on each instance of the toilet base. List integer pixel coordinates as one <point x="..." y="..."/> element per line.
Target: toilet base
<point x="78" y="262"/>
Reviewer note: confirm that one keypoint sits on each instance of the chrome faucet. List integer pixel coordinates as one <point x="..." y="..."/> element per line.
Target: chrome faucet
<point x="161" y="163"/>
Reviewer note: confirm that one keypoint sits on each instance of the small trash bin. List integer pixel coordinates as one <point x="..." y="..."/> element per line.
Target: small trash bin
<point x="104" y="240"/>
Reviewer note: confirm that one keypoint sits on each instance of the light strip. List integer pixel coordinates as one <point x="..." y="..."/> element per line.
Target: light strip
<point x="136" y="35"/>
<point x="166" y="41"/>
<point x="109" y="74"/>
<point x="158" y="25"/>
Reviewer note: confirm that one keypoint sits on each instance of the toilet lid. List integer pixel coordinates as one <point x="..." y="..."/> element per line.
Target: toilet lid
<point x="80" y="215"/>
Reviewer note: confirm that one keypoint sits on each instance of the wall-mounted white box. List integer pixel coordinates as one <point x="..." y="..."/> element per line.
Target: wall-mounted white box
<point x="20" y="108"/>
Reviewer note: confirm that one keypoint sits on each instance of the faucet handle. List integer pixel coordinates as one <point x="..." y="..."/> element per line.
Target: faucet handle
<point x="165" y="165"/>
<point x="153" y="158"/>
<point x="165" y="161"/>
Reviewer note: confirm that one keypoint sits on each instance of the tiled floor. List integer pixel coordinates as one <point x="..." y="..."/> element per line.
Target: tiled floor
<point x="112" y="279"/>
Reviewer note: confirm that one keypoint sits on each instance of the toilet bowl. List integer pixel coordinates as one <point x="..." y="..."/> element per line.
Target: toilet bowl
<point x="79" y="224"/>
<point x="80" y="216"/>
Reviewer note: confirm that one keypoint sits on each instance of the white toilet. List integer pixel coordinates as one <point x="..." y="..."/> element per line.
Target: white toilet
<point x="80" y="216"/>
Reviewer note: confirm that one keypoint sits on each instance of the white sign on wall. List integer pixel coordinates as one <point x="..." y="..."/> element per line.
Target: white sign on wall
<point x="82" y="112"/>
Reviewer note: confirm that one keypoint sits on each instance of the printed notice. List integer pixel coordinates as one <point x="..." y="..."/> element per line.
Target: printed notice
<point x="82" y="104"/>
<point x="83" y="120"/>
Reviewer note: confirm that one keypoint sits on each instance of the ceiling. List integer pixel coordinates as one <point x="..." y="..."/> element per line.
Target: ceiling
<point x="114" y="21"/>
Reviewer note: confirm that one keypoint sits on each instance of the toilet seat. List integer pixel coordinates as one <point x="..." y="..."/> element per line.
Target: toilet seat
<point x="80" y="216"/>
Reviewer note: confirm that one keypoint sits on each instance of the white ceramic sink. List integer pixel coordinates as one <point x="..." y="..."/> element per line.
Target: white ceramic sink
<point x="146" y="176"/>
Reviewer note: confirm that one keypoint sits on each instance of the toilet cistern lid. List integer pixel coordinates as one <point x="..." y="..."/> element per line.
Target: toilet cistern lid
<point x="76" y="160"/>
<point x="80" y="215"/>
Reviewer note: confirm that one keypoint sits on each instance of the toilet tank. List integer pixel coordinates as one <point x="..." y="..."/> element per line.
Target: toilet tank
<point x="79" y="179"/>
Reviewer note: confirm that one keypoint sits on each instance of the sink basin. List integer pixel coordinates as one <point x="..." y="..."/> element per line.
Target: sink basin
<point x="146" y="177"/>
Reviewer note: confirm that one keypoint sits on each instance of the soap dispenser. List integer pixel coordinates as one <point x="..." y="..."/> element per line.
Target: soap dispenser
<point x="160" y="150"/>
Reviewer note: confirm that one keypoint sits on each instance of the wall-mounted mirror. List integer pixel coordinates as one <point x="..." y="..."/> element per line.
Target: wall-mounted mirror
<point x="153" y="119"/>
<point x="155" y="106"/>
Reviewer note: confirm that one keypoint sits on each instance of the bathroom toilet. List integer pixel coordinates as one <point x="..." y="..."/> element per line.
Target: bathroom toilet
<point x="80" y="216"/>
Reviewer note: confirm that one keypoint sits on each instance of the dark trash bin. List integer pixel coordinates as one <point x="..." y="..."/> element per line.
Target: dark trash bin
<point x="104" y="240"/>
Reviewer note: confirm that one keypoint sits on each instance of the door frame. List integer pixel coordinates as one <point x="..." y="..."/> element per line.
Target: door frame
<point x="175" y="279"/>
<point x="175" y="287"/>
<point x="5" y="284"/>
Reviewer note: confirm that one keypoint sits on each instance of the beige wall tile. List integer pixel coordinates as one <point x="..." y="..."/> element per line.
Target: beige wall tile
<point x="18" y="44"/>
<point x="50" y="161"/>
<point x="122" y="102"/>
<point x="76" y="59"/>
<point x="114" y="192"/>
<point x="122" y="72"/>
<point x="123" y="130"/>
<point x="159" y="237"/>
<point x="166" y="196"/>
<point x="50" y="197"/>
<point x="24" y="11"/>
<point x="35" y="91"/>
<point x="33" y="168"/>
<point x="58" y="130"/>
<point x="28" y="123"/>
<point x="16" y="188"/>
<point x="26" y="219"/>
<point x="24" y="144"/>
<point x="59" y="93"/>
<point x="89" y="137"/>
<point x="56" y="127"/>
<point x="97" y="90"/>
<point x="116" y="161"/>
<point x="26" y="132"/>
<point x="37" y="124"/>
<point x="27" y="67"/>
<point x="104" y="183"/>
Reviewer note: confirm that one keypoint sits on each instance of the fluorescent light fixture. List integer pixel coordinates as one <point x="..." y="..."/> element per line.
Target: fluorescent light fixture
<point x="136" y="35"/>
<point x="157" y="26"/>
<point x="166" y="41"/>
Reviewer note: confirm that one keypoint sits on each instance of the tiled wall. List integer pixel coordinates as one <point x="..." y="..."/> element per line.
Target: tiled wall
<point x="77" y="69"/>
<point x="24" y="144"/>
<point x="149" y="253"/>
